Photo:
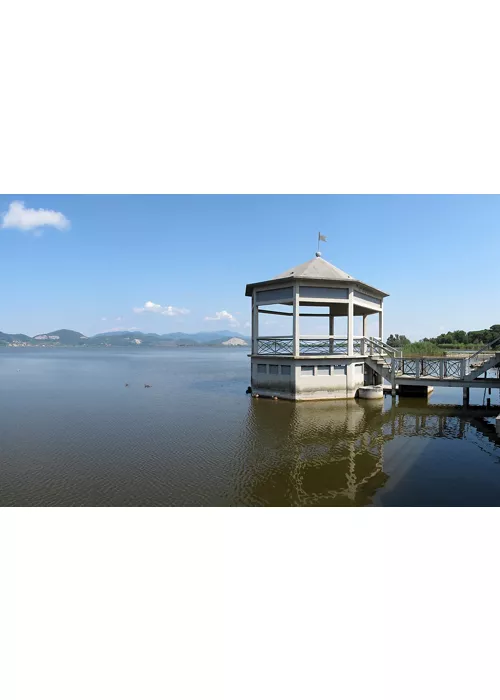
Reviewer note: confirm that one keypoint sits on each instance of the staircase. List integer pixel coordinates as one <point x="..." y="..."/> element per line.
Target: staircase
<point x="381" y="365"/>
<point x="380" y="357"/>
<point x="475" y="370"/>
<point x="389" y="364"/>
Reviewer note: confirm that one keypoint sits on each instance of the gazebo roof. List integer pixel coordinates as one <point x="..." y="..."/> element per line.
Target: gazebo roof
<point x="316" y="269"/>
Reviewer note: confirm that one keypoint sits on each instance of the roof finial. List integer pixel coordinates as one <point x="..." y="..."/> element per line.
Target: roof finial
<point x="320" y="238"/>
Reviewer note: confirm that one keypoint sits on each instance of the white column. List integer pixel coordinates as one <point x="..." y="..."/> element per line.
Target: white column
<point x="296" y="317"/>
<point x="255" y="325"/>
<point x="350" y="323"/>
<point x="365" y="331"/>
<point x="381" y="324"/>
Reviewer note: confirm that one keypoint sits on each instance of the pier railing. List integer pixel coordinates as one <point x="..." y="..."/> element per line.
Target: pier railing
<point x="391" y="364"/>
<point x="438" y="367"/>
<point x="432" y="367"/>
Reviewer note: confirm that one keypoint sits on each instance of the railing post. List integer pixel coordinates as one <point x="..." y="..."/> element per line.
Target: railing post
<point x="441" y="368"/>
<point x="417" y="369"/>
<point x="393" y="376"/>
<point x="464" y="366"/>
<point x="363" y="339"/>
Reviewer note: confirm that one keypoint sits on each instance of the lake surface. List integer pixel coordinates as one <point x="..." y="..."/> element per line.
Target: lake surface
<point x="72" y="434"/>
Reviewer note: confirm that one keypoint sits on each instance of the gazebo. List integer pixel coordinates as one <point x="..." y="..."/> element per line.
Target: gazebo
<point x="328" y="366"/>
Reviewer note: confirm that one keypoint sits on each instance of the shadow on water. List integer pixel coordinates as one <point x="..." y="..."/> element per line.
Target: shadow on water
<point x="356" y="453"/>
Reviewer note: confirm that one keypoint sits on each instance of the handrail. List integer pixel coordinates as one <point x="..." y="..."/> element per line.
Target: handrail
<point x="485" y="347"/>
<point x="383" y="346"/>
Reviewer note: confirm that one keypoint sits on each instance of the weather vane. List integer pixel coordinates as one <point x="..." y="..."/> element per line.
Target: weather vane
<point x="320" y="238"/>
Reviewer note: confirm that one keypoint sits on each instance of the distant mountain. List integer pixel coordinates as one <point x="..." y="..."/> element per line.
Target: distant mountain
<point x="67" y="337"/>
<point x="213" y="335"/>
<point x="109" y="333"/>
<point x="10" y="337"/>
<point x="200" y="338"/>
<point x="62" y="336"/>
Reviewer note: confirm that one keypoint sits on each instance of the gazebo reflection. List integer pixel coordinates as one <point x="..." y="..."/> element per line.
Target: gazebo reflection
<point x="316" y="453"/>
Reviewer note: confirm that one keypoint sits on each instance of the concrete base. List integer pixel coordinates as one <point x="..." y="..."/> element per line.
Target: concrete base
<point x="371" y="392"/>
<point x="306" y="379"/>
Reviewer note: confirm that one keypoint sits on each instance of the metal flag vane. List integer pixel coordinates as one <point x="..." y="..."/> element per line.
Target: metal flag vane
<point x="320" y="238"/>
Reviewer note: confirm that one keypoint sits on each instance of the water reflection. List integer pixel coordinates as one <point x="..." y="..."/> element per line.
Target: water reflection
<point x="71" y="434"/>
<point x="354" y="453"/>
<point x="329" y="453"/>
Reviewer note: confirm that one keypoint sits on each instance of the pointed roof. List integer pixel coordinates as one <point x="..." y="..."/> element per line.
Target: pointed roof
<point x="317" y="268"/>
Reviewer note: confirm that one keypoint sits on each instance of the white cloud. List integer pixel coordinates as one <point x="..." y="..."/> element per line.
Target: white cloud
<point x="223" y="316"/>
<point x="104" y="318"/>
<point x="247" y="324"/>
<point x="151" y="307"/>
<point x="24" y="219"/>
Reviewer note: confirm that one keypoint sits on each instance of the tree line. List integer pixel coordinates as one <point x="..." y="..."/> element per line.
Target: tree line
<point x="452" y="338"/>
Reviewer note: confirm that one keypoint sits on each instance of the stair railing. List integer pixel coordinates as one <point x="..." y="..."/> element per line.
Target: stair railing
<point x="376" y="344"/>
<point x="481" y="351"/>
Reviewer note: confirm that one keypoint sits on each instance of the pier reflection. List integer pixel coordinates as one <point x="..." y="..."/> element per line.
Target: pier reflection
<point x="335" y="453"/>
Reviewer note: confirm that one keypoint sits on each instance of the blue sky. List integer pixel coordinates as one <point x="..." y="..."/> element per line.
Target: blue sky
<point x="92" y="263"/>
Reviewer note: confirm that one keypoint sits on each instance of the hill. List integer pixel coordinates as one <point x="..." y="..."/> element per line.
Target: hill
<point x="66" y="337"/>
<point x="124" y="338"/>
<point x="6" y="338"/>
<point x="167" y="339"/>
<point x="62" y="336"/>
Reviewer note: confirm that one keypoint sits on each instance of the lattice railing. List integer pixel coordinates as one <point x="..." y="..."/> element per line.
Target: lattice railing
<point x="452" y="369"/>
<point x="427" y="367"/>
<point x="327" y="345"/>
<point x="314" y="347"/>
<point x="275" y="346"/>
<point x="430" y="368"/>
<point x="409" y="367"/>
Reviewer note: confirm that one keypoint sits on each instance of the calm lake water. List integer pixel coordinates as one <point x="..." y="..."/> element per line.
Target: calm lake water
<point x="72" y="434"/>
